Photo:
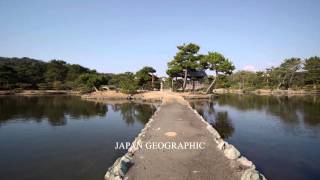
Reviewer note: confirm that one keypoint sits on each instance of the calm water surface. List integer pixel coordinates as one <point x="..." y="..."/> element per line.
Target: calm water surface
<point x="64" y="137"/>
<point x="281" y="135"/>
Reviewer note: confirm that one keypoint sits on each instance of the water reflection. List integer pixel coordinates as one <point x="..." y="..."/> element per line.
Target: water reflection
<point x="286" y="108"/>
<point x="71" y="139"/>
<point x="280" y="134"/>
<point x="57" y="109"/>
<point x="219" y="120"/>
<point x="132" y="112"/>
<point x="224" y="124"/>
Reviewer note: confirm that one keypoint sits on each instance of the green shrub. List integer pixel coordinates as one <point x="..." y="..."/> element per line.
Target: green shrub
<point x="44" y="86"/>
<point x="128" y="86"/>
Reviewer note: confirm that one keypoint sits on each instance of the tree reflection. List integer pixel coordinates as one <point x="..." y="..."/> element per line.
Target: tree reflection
<point x="290" y="110"/>
<point x="218" y="119"/>
<point x="223" y="125"/>
<point x="55" y="109"/>
<point x="284" y="107"/>
<point x="126" y="110"/>
<point x="132" y="112"/>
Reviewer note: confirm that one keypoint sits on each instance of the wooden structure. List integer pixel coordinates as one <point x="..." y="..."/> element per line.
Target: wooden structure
<point x="194" y="79"/>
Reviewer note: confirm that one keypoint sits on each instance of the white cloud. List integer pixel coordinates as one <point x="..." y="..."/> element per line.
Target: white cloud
<point x="249" y="67"/>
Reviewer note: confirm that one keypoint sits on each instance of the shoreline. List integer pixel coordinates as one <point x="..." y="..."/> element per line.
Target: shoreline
<point x="157" y="96"/>
<point x="271" y="92"/>
<point x="144" y="96"/>
<point x="39" y="92"/>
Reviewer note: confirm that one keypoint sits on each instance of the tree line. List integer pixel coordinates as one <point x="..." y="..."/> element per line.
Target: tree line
<point x="31" y="74"/>
<point x="27" y="73"/>
<point x="293" y="73"/>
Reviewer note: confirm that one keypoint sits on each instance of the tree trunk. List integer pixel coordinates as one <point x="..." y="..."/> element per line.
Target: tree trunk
<point x="185" y="79"/>
<point x="290" y="81"/>
<point x="282" y="82"/>
<point x="152" y="82"/>
<point x="211" y="85"/>
<point x="172" y="88"/>
<point x="242" y="83"/>
<point x="193" y="86"/>
<point x="161" y="85"/>
<point x="95" y="89"/>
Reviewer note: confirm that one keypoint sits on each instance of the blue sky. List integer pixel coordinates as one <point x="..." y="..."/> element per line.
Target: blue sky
<point x="118" y="36"/>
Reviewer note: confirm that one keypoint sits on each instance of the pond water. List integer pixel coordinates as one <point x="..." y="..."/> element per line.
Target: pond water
<point x="64" y="137"/>
<point x="281" y="135"/>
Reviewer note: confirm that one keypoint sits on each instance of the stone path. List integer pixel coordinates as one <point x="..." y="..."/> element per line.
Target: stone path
<point x="176" y="122"/>
<point x="207" y="163"/>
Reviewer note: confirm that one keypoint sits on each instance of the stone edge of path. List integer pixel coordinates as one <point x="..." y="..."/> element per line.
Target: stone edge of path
<point x="121" y="166"/>
<point x="231" y="152"/>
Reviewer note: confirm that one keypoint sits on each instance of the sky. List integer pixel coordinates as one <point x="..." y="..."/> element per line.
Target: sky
<point x="115" y="36"/>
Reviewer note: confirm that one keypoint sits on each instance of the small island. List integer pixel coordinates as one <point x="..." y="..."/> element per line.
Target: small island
<point x="159" y="90"/>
